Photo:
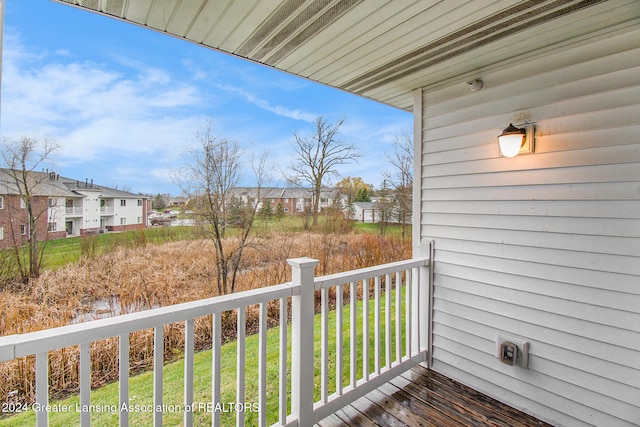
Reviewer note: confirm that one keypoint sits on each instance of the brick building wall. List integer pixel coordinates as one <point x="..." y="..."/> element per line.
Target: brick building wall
<point x="14" y="222"/>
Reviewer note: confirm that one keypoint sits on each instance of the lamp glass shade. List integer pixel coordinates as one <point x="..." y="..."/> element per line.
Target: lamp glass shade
<point x="510" y="144"/>
<point x="510" y="140"/>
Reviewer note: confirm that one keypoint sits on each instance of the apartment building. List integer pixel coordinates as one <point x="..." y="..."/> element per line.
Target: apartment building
<point x="66" y="207"/>
<point x="293" y="200"/>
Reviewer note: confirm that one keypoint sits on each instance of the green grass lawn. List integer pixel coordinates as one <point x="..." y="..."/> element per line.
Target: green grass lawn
<point x="141" y="386"/>
<point x="60" y="252"/>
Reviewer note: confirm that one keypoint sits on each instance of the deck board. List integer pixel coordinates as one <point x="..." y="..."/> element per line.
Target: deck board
<point x="421" y="397"/>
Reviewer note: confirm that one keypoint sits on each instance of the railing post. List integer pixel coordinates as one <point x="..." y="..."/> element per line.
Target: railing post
<point x="302" y="311"/>
<point x="423" y="297"/>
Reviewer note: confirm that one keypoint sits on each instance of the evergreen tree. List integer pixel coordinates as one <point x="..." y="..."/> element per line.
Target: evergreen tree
<point x="266" y="211"/>
<point x="363" y="195"/>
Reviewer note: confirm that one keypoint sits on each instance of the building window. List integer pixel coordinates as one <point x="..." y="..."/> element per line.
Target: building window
<point x="123" y="221"/>
<point x="23" y="229"/>
<point x="1" y="233"/>
<point x="139" y="220"/>
<point x="139" y="202"/>
<point x="23" y="205"/>
<point x="1" y="202"/>
<point x="52" y="226"/>
<point x="123" y="202"/>
<point x="52" y="202"/>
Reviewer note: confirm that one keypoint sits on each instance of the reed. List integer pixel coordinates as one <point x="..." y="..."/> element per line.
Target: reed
<point x="138" y="276"/>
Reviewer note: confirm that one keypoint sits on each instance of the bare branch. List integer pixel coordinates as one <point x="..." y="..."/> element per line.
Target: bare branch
<point x="29" y="209"/>
<point x="400" y="177"/>
<point x="210" y="177"/>
<point x="318" y="156"/>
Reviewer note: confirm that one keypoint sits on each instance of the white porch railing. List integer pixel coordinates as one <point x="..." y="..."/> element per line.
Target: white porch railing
<point x="395" y="342"/>
<point x="73" y="210"/>
<point x="106" y="210"/>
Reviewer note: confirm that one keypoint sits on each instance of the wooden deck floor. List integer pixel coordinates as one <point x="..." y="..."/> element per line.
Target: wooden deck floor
<point x="421" y="397"/>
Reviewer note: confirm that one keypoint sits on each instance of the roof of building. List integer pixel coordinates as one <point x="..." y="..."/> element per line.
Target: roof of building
<point x="50" y="184"/>
<point x="366" y="205"/>
<point x="282" y="193"/>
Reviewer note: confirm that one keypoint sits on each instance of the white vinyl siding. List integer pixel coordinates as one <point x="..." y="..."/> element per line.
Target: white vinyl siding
<point x="127" y="213"/>
<point x="544" y="246"/>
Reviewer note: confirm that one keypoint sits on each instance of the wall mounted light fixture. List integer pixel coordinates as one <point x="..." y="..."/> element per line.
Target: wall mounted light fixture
<point x="514" y="140"/>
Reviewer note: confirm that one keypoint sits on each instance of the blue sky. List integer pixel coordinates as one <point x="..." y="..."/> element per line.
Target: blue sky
<point x="123" y="103"/>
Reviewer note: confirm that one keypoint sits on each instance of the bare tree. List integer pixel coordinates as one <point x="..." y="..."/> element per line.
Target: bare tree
<point x="317" y="157"/>
<point x="400" y="178"/>
<point x="22" y="157"/>
<point x="212" y="173"/>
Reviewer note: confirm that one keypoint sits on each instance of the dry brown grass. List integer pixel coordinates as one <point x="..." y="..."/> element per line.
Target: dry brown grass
<point x="133" y="279"/>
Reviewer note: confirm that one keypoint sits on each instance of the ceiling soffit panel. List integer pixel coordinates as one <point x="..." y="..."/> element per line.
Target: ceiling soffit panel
<point x="269" y="26"/>
<point x="518" y="18"/>
<point x="205" y="20"/>
<point x="237" y="23"/>
<point x="273" y="40"/>
<point x="366" y="40"/>
<point x="114" y="7"/>
<point x="136" y="11"/>
<point x="183" y="17"/>
<point x="606" y="17"/>
<point x="161" y="14"/>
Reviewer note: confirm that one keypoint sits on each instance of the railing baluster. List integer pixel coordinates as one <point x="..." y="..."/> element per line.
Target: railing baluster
<point x="365" y="329"/>
<point x="415" y="318"/>
<point x="398" y="316"/>
<point x="189" y="332"/>
<point x="408" y="306"/>
<point x="216" y="329"/>
<point x="283" y="361"/>
<point x="339" y="339"/>
<point x="85" y="383"/>
<point x="262" y="365"/>
<point x="240" y="363"/>
<point x="42" y="389"/>
<point x="387" y="320"/>
<point x="123" y="386"/>
<point x="353" y="338"/>
<point x="158" y="370"/>
<point x="324" y="345"/>
<point x="376" y="325"/>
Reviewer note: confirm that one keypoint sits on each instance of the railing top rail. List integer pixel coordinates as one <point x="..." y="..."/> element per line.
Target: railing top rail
<point x="13" y="346"/>
<point x="331" y="280"/>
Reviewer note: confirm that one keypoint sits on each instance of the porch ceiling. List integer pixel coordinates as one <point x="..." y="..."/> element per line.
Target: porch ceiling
<point x="379" y="49"/>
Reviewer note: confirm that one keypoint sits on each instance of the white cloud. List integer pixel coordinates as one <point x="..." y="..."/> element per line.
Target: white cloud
<point x="92" y="110"/>
<point x="265" y="105"/>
